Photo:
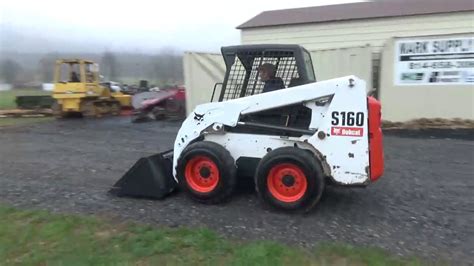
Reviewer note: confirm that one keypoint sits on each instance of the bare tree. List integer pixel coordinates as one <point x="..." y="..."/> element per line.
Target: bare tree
<point x="109" y="65"/>
<point x="46" y="66"/>
<point x="167" y="66"/>
<point x="9" y="70"/>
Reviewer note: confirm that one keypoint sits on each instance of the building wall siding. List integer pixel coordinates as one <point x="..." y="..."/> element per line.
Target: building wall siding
<point x="201" y="72"/>
<point x="334" y="63"/>
<point x="356" y="33"/>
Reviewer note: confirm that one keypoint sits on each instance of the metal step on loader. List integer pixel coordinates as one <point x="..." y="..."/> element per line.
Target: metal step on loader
<point x="272" y="121"/>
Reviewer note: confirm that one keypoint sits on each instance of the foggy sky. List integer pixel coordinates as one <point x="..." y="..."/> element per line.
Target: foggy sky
<point x="129" y="26"/>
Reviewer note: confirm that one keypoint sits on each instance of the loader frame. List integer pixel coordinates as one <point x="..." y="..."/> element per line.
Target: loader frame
<point x="218" y="122"/>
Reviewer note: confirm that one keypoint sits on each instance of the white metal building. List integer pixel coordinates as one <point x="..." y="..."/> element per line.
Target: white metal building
<point x="359" y="24"/>
<point x="434" y="79"/>
<point x="332" y="32"/>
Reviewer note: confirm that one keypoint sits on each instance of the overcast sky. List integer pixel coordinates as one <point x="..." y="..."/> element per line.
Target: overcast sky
<point x="132" y="25"/>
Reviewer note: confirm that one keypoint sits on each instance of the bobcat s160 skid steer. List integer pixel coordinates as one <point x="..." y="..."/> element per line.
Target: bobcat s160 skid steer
<point x="293" y="140"/>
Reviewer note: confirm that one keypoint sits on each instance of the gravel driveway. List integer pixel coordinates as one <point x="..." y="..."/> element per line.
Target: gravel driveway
<point x="423" y="205"/>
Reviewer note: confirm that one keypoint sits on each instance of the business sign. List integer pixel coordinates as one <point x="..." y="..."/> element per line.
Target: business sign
<point x="443" y="61"/>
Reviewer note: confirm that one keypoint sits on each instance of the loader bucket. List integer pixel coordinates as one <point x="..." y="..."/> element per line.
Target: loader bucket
<point x="149" y="177"/>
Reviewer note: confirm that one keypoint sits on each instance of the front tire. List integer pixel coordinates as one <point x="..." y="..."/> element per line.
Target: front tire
<point x="290" y="179"/>
<point x="206" y="172"/>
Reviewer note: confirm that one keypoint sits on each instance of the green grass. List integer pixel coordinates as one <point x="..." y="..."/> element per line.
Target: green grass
<point x="7" y="98"/>
<point x="42" y="238"/>
<point x="7" y="101"/>
<point x="10" y="121"/>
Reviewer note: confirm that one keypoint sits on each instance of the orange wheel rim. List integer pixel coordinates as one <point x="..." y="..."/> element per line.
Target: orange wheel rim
<point x="202" y="174"/>
<point x="287" y="182"/>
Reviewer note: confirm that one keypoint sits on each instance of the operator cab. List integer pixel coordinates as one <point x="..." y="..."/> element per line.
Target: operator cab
<point x="76" y="71"/>
<point x="292" y="64"/>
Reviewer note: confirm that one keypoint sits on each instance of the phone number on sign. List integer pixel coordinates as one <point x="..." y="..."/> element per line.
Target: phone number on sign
<point x="437" y="65"/>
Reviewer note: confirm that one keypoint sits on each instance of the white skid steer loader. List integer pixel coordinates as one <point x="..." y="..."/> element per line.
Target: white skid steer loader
<point x="293" y="140"/>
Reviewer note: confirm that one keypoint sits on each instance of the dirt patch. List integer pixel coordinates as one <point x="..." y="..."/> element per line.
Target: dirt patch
<point x="436" y="123"/>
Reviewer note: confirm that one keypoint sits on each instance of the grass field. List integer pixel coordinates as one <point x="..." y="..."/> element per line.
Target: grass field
<point x="9" y="121"/>
<point x="7" y="98"/>
<point x="7" y="101"/>
<point x="42" y="238"/>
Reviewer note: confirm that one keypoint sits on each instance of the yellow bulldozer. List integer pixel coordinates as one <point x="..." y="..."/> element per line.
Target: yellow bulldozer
<point x="77" y="89"/>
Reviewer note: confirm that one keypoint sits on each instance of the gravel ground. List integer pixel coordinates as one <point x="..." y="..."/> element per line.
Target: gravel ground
<point x="423" y="205"/>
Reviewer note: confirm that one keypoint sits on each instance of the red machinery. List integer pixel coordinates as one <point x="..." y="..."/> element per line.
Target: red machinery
<point x="158" y="105"/>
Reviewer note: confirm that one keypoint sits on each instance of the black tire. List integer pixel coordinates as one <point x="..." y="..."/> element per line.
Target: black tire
<point x="279" y="161"/>
<point x="223" y="163"/>
<point x="172" y="106"/>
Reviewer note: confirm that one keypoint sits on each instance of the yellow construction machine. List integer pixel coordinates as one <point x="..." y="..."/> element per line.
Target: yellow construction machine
<point x="77" y="89"/>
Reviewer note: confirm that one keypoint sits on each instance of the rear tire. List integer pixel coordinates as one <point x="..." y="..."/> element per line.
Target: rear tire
<point x="206" y="172"/>
<point x="290" y="179"/>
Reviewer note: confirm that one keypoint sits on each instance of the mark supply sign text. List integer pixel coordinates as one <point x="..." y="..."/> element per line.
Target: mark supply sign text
<point x="434" y="61"/>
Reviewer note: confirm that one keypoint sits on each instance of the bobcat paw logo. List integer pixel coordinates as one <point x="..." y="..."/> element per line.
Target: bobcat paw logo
<point x="198" y="117"/>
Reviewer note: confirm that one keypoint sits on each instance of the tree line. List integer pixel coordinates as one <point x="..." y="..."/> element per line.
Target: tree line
<point x="163" y="68"/>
